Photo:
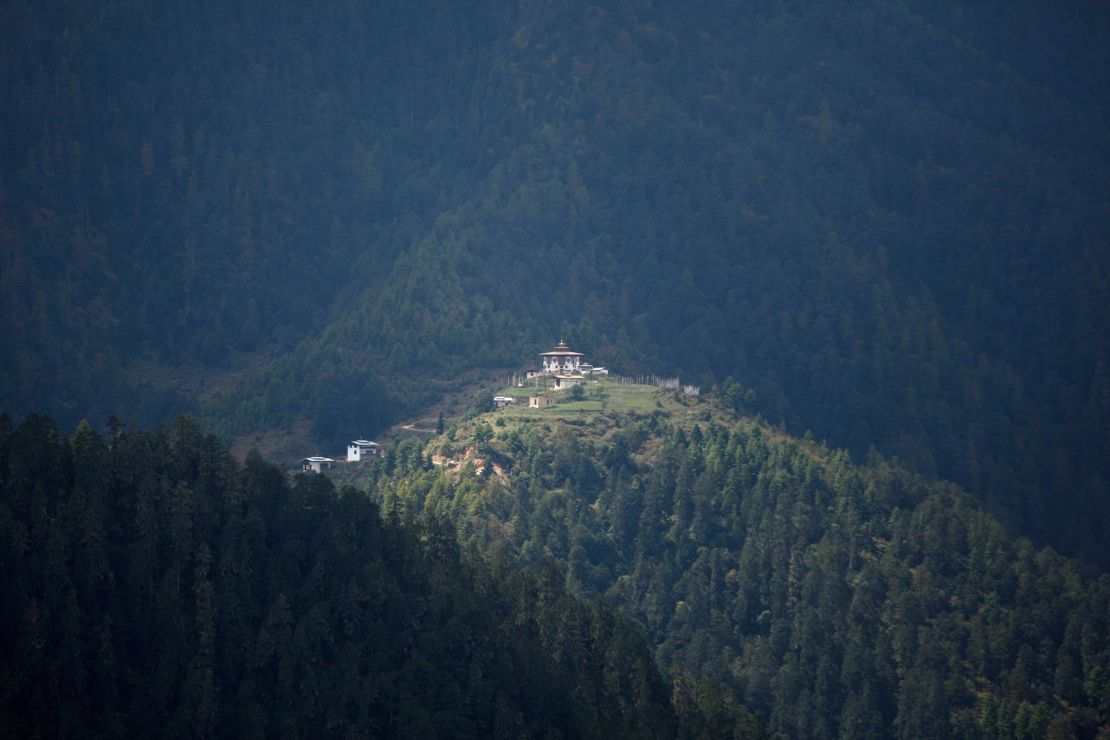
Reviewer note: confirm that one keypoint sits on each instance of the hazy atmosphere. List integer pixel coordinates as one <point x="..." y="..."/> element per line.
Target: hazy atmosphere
<point x="547" y="369"/>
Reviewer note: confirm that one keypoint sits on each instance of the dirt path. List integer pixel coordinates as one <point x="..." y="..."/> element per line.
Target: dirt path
<point x="411" y="427"/>
<point x="453" y="405"/>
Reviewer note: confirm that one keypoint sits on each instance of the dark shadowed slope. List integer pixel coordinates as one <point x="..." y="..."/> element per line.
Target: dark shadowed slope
<point x="154" y="587"/>
<point x="889" y="222"/>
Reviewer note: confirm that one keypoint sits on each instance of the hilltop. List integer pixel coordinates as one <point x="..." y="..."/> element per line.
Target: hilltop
<point x="596" y="416"/>
<point x="831" y="598"/>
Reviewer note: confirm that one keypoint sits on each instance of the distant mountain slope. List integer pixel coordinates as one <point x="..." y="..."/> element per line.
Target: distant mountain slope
<point x="837" y="600"/>
<point x="185" y="185"/>
<point x="888" y="221"/>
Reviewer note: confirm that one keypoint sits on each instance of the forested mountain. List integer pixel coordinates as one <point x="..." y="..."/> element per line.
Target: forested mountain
<point x="153" y="587"/>
<point x="835" y="600"/>
<point x="889" y="221"/>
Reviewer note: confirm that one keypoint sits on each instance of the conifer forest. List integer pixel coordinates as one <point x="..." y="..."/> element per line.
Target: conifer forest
<point x="827" y="456"/>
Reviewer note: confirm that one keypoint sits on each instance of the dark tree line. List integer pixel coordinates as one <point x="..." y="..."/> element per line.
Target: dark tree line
<point x="155" y="587"/>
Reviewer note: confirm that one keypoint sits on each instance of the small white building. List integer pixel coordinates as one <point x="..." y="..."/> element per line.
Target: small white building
<point x="362" y="449"/>
<point x="540" y="402"/>
<point x="316" y="464"/>
<point x="562" y="382"/>
<point x="500" y="402"/>
<point x="587" y="369"/>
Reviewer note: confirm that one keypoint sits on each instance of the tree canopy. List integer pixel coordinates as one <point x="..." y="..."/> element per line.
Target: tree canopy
<point x="832" y="599"/>
<point x="155" y="587"/>
<point x="885" y="220"/>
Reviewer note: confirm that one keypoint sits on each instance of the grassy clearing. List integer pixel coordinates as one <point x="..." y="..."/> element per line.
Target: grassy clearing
<point x="601" y="396"/>
<point x="640" y="398"/>
<point x="580" y="407"/>
<point x="605" y="408"/>
<point x="514" y="392"/>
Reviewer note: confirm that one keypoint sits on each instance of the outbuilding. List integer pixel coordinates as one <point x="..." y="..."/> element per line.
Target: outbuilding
<point x="361" y="449"/>
<point x="562" y="382"/>
<point x="316" y="464"/>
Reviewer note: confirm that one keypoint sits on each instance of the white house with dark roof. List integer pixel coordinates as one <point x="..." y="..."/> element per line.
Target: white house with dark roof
<point x="501" y="402"/>
<point x="316" y="464"/>
<point x="362" y="449"/>
<point x="587" y="369"/>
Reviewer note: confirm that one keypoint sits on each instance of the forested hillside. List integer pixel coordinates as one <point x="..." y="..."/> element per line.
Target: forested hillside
<point x="835" y="600"/>
<point x="153" y="587"/>
<point x="889" y="221"/>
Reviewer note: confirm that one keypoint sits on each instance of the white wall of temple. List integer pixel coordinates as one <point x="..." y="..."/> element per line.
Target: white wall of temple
<point x="561" y="364"/>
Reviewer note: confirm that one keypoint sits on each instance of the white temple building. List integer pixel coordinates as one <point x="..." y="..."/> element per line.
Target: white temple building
<point x="561" y="368"/>
<point x="561" y="360"/>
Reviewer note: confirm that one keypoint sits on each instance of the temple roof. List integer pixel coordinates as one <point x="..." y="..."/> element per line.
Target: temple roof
<point x="561" y="349"/>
